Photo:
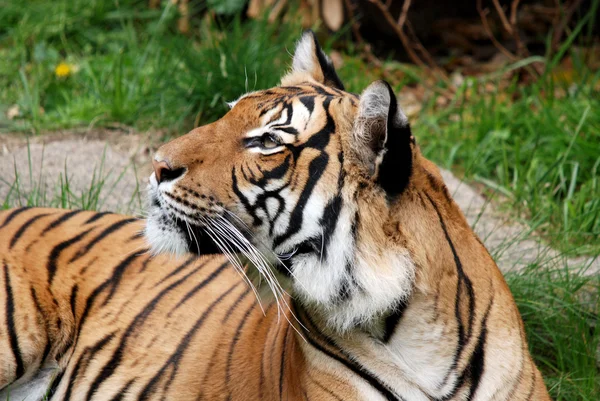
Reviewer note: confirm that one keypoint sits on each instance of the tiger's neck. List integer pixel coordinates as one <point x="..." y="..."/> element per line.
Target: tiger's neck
<point x="356" y="274"/>
<point x="298" y="360"/>
<point x="369" y="320"/>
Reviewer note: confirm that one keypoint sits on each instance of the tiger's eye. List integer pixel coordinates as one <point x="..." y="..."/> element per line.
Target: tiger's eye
<point x="269" y="142"/>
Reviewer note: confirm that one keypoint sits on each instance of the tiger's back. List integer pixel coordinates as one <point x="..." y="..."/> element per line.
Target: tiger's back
<point x="85" y="300"/>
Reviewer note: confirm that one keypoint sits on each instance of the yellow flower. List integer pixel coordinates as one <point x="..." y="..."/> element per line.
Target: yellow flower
<point x="63" y="70"/>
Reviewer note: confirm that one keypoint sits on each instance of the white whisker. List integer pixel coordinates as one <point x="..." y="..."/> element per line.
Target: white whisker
<point x="322" y="245"/>
<point x="259" y="261"/>
<point x="234" y="259"/>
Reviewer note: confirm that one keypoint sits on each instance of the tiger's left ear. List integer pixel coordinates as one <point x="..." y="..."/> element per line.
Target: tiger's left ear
<point x="382" y="138"/>
<point x="310" y="62"/>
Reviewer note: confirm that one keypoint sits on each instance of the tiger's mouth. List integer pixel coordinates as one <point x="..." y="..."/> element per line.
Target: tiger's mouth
<point x="174" y="227"/>
<point x="198" y="240"/>
<point x="170" y="228"/>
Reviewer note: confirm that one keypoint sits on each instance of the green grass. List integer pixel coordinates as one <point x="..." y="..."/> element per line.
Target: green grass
<point x="533" y="147"/>
<point x="130" y="65"/>
<point x="538" y="151"/>
<point x="560" y="310"/>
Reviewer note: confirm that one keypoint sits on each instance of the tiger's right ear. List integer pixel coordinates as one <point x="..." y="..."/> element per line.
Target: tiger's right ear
<point x="382" y="139"/>
<point x="311" y="63"/>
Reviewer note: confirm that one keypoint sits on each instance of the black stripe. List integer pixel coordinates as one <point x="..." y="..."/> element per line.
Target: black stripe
<point x="270" y="106"/>
<point x="329" y="220"/>
<point x="14" y="214"/>
<point x="123" y="391"/>
<point x="287" y="130"/>
<point x="73" y="300"/>
<point x="175" y="358"/>
<point x="347" y="361"/>
<point x="316" y="168"/>
<point x="109" y="368"/>
<point x="118" y="274"/>
<point x="54" y="385"/>
<point x="308" y="102"/>
<point x="333" y="209"/>
<point x="345" y="290"/>
<point x="185" y="264"/>
<point x="90" y="263"/>
<point x="136" y="236"/>
<point x="473" y="371"/>
<point x="312" y="245"/>
<point x="112" y="283"/>
<point x="349" y="282"/>
<point x="261" y="203"/>
<point x="57" y="250"/>
<point x="533" y="380"/>
<point x="322" y="387"/>
<point x="144" y="266"/>
<point x="245" y="202"/>
<point x="86" y="356"/>
<point x="234" y="341"/>
<point x="208" y="373"/>
<point x="328" y="92"/>
<point x="42" y="314"/>
<point x="476" y="364"/>
<point x="290" y="112"/>
<point x="96" y="217"/>
<point x="392" y="320"/>
<point x="63" y="218"/>
<point x="276" y="173"/>
<point x="263" y="354"/>
<point x="462" y="281"/>
<point x="106" y="232"/>
<point x="435" y="184"/>
<point x="234" y="306"/>
<point x="199" y="286"/>
<point x="24" y="227"/>
<point x="10" y="324"/>
<point x="272" y="347"/>
<point x="282" y="366"/>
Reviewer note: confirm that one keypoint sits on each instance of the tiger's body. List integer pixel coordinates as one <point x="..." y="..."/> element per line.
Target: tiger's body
<point x="326" y="195"/>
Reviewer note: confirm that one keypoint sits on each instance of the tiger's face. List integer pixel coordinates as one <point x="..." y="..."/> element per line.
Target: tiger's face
<point x="270" y="167"/>
<point x="283" y="180"/>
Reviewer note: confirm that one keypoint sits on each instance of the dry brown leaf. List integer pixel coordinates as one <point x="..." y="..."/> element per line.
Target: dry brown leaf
<point x="257" y="7"/>
<point x="333" y="14"/>
<point x="13" y="112"/>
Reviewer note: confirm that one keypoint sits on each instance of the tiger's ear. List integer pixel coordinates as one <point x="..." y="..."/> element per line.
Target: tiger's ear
<point x="311" y="63"/>
<point x="382" y="138"/>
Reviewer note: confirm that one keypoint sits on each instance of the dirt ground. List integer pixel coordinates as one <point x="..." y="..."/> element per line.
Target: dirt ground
<point x="123" y="157"/>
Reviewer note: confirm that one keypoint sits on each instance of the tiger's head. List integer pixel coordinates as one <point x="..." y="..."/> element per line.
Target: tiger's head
<point x="305" y="180"/>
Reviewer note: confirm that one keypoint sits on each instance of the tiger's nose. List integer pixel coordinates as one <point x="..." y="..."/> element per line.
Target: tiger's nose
<point x="164" y="172"/>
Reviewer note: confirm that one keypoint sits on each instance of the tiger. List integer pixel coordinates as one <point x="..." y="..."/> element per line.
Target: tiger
<point x="299" y="248"/>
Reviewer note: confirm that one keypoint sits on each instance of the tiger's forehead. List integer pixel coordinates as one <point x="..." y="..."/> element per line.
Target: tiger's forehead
<point x="265" y="101"/>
